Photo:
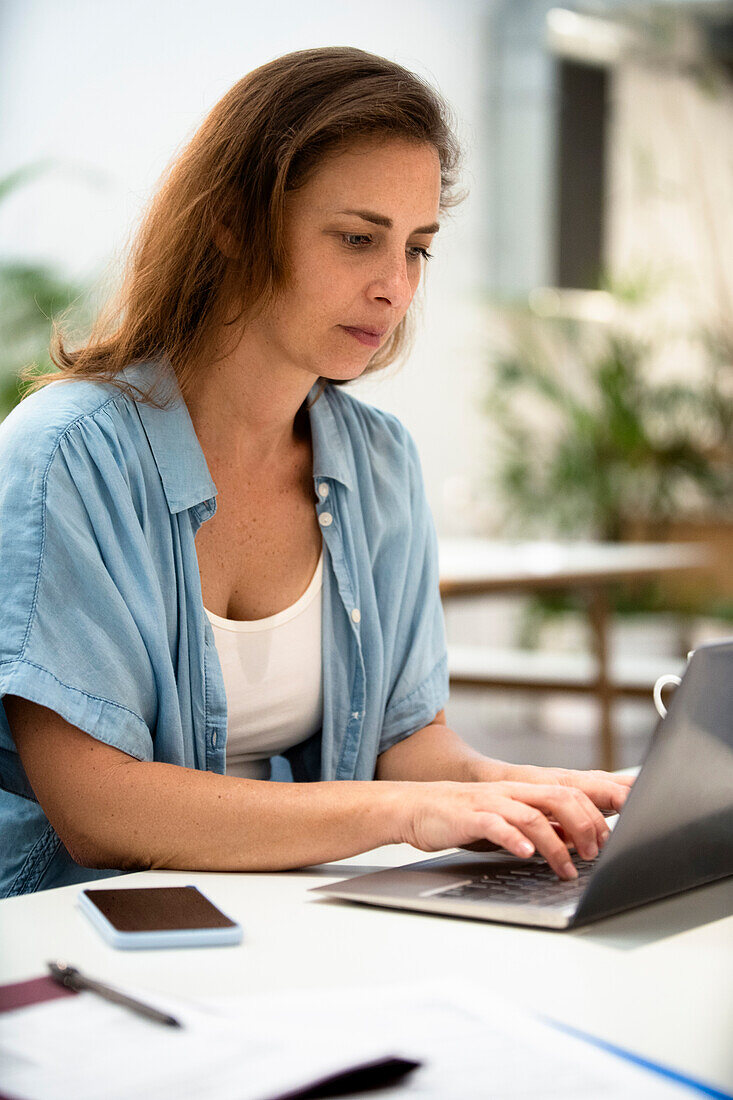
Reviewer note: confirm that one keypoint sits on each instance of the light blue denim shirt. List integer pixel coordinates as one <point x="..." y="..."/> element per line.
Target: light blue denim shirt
<point x="101" y="612"/>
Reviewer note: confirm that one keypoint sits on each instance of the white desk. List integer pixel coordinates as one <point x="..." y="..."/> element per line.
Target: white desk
<point x="657" y="980"/>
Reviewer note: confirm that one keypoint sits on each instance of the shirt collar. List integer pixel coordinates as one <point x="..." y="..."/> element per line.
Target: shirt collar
<point x="331" y="450"/>
<point x="177" y="452"/>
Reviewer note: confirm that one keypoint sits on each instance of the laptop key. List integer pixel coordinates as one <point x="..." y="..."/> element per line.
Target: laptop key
<point x="535" y="883"/>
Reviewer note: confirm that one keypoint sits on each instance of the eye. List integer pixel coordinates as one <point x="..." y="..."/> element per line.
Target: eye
<point x="363" y="240"/>
<point x="356" y="240"/>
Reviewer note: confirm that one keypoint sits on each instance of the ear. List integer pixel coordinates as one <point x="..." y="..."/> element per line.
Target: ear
<point x="226" y="241"/>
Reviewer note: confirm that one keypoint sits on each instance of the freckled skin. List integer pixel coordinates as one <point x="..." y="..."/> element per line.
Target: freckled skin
<point x="369" y="284"/>
<point x="259" y="551"/>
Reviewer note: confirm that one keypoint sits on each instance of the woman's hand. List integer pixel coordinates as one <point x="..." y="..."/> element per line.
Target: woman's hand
<point x="606" y="790"/>
<point x="516" y="816"/>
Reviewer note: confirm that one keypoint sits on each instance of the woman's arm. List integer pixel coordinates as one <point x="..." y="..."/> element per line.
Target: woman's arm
<point x="112" y="811"/>
<point x="437" y="752"/>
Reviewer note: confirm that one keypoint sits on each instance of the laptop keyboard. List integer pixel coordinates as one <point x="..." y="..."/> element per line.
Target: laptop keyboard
<point x="533" y="881"/>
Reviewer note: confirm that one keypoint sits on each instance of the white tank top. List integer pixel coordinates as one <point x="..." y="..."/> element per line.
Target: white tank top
<point x="272" y="679"/>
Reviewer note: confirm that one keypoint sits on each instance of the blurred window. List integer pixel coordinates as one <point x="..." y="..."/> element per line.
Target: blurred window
<point x="581" y="174"/>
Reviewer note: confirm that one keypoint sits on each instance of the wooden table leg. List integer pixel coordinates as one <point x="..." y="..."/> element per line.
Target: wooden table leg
<point x="598" y="616"/>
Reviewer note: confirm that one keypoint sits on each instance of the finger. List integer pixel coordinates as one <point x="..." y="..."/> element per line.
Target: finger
<point x="606" y="790"/>
<point x="582" y="822"/>
<point x="611" y="777"/>
<point x="616" y="784"/>
<point x="497" y="830"/>
<point x="533" y="824"/>
<point x="567" y="839"/>
<point x="602" y="840"/>
<point x="611" y="798"/>
<point x="619" y="796"/>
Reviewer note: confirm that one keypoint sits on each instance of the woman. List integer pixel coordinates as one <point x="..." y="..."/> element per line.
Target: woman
<point x="213" y="554"/>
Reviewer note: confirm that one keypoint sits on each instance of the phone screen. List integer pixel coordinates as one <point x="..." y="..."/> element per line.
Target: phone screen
<point x="158" y="909"/>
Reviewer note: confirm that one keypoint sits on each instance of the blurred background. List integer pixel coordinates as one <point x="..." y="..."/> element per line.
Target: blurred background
<point x="573" y="374"/>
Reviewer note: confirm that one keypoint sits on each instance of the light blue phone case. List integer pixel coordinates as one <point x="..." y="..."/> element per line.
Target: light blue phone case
<point x="182" y="937"/>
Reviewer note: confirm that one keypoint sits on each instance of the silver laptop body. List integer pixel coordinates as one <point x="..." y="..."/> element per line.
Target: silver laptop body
<point x="675" y="831"/>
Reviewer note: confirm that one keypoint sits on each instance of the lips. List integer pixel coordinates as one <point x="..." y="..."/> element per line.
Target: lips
<point x="369" y="336"/>
<point x="367" y="329"/>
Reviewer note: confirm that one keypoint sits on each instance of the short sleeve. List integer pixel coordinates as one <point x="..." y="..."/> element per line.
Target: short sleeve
<point x="418" y="687"/>
<point x="73" y="604"/>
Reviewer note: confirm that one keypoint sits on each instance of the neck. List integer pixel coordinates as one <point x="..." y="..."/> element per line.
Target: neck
<point x="248" y="412"/>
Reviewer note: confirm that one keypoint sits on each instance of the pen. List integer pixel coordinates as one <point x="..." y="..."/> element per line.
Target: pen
<point x="69" y="976"/>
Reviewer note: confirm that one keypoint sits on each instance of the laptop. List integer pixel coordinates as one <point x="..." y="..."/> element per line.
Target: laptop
<point x="675" y="830"/>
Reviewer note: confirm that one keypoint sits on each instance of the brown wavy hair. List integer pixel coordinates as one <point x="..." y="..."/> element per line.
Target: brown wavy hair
<point x="261" y="140"/>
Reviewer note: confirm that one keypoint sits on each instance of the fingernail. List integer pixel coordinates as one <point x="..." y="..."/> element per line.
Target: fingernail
<point x="591" y="851"/>
<point x="526" y="848"/>
<point x="569" y="871"/>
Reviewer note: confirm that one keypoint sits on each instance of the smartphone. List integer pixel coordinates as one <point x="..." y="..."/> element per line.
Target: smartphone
<point x="157" y="916"/>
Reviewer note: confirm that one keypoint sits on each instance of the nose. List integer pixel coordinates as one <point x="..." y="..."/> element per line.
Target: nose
<point x="392" y="284"/>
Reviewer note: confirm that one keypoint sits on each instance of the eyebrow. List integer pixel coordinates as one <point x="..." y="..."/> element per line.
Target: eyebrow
<point x="381" y="219"/>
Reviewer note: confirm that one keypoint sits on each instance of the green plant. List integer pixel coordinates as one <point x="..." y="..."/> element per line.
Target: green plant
<point x="31" y="294"/>
<point x="590" y="444"/>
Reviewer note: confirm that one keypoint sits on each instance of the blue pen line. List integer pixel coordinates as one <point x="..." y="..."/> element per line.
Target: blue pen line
<point x="663" y="1071"/>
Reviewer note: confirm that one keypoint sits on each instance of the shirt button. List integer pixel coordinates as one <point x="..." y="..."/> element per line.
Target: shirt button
<point x="213" y="739"/>
<point x="356" y="615"/>
<point x="323" y="489"/>
<point x="325" y="519"/>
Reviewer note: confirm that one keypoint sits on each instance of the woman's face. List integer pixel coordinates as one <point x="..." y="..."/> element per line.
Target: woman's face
<point x="357" y="233"/>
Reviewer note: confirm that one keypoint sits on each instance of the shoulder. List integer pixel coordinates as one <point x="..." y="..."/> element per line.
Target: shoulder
<point x="93" y="424"/>
<point x="31" y="433"/>
<point x="40" y="475"/>
<point x="67" y="450"/>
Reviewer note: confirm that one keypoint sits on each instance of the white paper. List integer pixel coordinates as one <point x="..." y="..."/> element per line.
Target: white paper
<point x="472" y="1045"/>
<point x="262" y="1046"/>
<point x="83" y="1047"/>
